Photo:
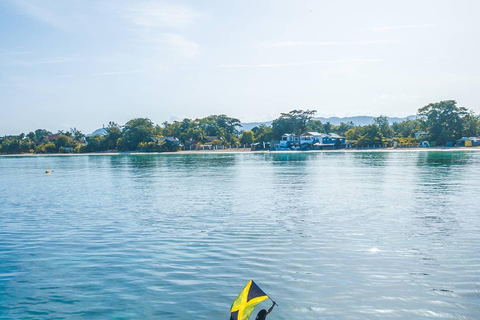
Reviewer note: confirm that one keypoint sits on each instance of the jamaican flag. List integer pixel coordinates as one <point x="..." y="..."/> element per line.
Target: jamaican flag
<point x="247" y="300"/>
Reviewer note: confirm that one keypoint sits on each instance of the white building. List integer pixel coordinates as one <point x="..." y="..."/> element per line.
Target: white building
<point x="289" y="139"/>
<point x="309" y="141"/>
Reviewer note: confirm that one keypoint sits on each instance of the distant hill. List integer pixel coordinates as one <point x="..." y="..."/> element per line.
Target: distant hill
<point x="251" y="125"/>
<point x="361" y="120"/>
<point x="358" y="120"/>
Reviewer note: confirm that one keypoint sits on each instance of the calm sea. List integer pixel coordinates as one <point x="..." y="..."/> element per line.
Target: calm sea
<point x="368" y="235"/>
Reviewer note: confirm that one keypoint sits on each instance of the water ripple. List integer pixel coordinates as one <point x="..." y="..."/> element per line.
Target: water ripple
<point x="328" y="236"/>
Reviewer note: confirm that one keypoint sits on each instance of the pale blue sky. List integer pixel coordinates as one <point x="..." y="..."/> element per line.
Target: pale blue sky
<point x="83" y="63"/>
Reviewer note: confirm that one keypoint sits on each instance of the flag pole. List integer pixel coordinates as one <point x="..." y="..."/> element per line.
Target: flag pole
<point x="274" y="303"/>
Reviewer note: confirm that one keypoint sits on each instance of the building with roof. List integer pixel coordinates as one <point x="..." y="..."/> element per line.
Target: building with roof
<point x="421" y="135"/>
<point x="310" y="141"/>
<point x="212" y="138"/>
<point x="170" y="140"/>
<point x="53" y="137"/>
<point x="468" y="142"/>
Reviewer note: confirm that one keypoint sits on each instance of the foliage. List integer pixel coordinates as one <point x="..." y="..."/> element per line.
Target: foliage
<point x="136" y="131"/>
<point x="77" y="135"/>
<point x="214" y="143"/>
<point x="445" y="121"/>
<point x="191" y="132"/>
<point x="343" y="127"/>
<point x="95" y="143"/>
<point x="315" y="126"/>
<point x="40" y="149"/>
<point x="221" y="126"/>
<point x="246" y="137"/>
<point x="471" y="125"/>
<point x="63" y="141"/>
<point x="262" y="133"/>
<point x="328" y="127"/>
<point x="39" y="134"/>
<point x="293" y="122"/>
<point x="50" y="147"/>
<point x="365" y="136"/>
<point x="407" y="142"/>
<point x="407" y="128"/>
<point x="114" y="132"/>
<point x="11" y="145"/>
<point x="148" y="146"/>
<point x="187" y="131"/>
<point x="384" y="126"/>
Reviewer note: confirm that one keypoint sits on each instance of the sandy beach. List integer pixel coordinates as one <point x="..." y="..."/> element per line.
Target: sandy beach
<point x="246" y="150"/>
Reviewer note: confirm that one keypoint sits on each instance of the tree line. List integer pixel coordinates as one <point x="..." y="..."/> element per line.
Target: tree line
<point x="136" y="134"/>
<point x="443" y="122"/>
<point x="440" y="123"/>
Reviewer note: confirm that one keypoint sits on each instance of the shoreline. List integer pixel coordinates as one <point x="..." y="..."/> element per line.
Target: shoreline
<point x="240" y="151"/>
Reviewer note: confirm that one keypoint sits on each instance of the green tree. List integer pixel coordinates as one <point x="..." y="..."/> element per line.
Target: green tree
<point x="50" y="147"/>
<point x="224" y="127"/>
<point x="95" y="143"/>
<point x="40" y="149"/>
<point x="27" y="146"/>
<point x="327" y="127"/>
<point x="158" y="131"/>
<point x="31" y="135"/>
<point x="373" y="134"/>
<point x="39" y="134"/>
<point x="114" y="132"/>
<point x="353" y="133"/>
<point x="136" y="131"/>
<point x="65" y="133"/>
<point x="344" y="127"/>
<point x="172" y="129"/>
<point x="384" y="125"/>
<point x="188" y="132"/>
<point x="262" y="133"/>
<point x="406" y="128"/>
<point x="293" y="122"/>
<point x="63" y="141"/>
<point x="471" y="125"/>
<point x="315" y="126"/>
<point x="444" y="121"/>
<point x="247" y="137"/>
<point x="77" y="135"/>
<point x="365" y="136"/>
<point x="228" y="124"/>
<point x="11" y="145"/>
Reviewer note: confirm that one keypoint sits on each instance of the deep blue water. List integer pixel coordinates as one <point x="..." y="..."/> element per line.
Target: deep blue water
<point x="381" y="235"/>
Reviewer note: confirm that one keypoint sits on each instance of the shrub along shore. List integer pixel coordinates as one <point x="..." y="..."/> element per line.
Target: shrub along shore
<point x="440" y="124"/>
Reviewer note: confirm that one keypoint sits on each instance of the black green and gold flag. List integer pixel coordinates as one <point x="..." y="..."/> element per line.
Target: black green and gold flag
<point x="247" y="300"/>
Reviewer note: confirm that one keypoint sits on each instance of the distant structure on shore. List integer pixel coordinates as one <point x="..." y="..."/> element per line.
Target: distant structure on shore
<point x="99" y="132"/>
<point x="311" y="141"/>
<point x="440" y="124"/>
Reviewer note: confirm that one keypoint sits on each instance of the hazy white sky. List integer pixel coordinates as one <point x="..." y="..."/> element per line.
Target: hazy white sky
<point x="83" y="63"/>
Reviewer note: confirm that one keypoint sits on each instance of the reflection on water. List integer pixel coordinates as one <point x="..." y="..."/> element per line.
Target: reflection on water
<point x="279" y="158"/>
<point x="327" y="235"/>
<point x="444" y="159"/>
<point x="376" y="159"/>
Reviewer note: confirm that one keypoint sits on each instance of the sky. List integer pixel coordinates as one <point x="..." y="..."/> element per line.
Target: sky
<point x="81" y="64"/>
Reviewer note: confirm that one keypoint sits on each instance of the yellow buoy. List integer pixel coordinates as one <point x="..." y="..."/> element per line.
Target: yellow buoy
<point x="48" y="171"/>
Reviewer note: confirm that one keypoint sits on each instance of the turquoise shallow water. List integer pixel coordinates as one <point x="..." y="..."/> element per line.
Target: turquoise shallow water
<point x="384" y="235"/>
